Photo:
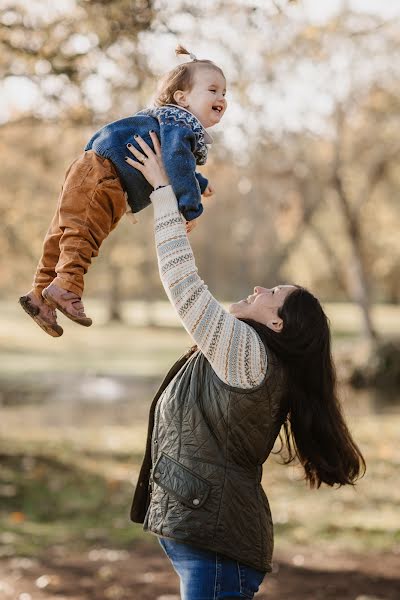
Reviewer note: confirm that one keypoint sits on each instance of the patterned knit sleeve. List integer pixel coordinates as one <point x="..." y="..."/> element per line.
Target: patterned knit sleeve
<point x="234" y="350"/>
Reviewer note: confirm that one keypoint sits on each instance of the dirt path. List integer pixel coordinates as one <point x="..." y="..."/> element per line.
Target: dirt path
<point x="145" y="574"/>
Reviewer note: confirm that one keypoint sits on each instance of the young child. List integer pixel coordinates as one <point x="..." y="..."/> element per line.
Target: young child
<point x="100" y="187"/>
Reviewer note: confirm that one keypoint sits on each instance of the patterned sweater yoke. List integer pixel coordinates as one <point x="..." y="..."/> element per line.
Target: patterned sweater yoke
<point x="234" y="350"/>
<point x="175" y="116"/>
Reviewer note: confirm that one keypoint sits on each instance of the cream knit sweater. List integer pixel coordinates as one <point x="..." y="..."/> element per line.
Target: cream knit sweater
<point x="234" y="350"/>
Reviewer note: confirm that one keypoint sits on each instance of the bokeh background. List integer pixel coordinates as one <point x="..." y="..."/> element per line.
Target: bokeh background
<point x="305" y="166"/>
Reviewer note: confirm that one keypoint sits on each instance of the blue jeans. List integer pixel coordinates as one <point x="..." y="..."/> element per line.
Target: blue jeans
<point x="206" y="575"/>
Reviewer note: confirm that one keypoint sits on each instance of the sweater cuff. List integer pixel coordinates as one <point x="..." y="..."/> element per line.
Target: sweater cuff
<point x="164" y="201"/>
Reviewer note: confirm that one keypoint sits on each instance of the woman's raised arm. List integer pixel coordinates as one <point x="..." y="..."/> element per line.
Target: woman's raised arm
<point x="233" y="348"/>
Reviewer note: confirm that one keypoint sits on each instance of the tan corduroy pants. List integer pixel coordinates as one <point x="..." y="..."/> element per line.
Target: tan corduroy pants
<point x="91" y="203"/>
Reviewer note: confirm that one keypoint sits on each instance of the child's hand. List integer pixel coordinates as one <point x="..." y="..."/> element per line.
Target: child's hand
<point x="209" y="191"/>
<point x="190" y="225"/>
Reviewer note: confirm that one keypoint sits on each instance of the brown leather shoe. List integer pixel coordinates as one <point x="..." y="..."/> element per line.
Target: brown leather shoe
<point x="43" y="314"/>
<point x="66" y="302"/>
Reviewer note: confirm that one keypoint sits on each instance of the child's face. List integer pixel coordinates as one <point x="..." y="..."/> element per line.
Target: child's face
<point x="206" y="100"/>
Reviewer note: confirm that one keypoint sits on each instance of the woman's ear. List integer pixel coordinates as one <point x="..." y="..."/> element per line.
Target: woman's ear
<point x="180" y="98"/>
<point x="276" y="324"/>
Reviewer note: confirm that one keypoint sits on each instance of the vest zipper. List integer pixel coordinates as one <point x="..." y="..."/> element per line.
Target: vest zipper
<point x="154" y="444"/>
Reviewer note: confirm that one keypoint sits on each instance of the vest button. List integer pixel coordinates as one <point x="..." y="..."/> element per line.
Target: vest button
<point x="156" y="475"/>
<point x="196" y="501"/>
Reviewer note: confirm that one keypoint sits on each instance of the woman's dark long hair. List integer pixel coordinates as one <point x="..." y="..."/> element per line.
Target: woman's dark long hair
<point x="315" y="430"/>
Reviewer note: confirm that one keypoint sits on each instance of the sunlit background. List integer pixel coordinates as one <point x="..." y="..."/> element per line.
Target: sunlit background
<point x="305" y="166"/>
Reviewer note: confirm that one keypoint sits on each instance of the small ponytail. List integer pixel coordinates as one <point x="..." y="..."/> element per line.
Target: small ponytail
<point x="181" y="50"/>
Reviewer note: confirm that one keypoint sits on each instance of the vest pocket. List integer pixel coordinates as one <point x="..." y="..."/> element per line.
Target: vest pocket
<point x="180" y="482"/>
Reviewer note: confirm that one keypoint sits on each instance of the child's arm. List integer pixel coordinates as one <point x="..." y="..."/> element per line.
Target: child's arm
<point x="177" y="146"/>
<point x="209" y="191"/>
<point x="206" y="188"/>
<point x="202" y="181"/>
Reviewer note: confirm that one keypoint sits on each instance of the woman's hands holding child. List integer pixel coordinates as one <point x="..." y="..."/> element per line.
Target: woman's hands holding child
<point x="150" y="163"/>
<point x="151" y="166"/>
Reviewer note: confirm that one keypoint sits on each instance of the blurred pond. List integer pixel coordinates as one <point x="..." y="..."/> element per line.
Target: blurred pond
<point x="74" y="399"/>
<point x="93" y="400"/>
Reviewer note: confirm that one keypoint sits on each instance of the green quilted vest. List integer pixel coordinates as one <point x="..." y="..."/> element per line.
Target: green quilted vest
<point x="200" y="478"/>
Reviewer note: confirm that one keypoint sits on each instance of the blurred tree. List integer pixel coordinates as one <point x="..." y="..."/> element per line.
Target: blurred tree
<point x="74" y="54"/>
<point x="299" y="174"/>
<point x="334" y="160"/>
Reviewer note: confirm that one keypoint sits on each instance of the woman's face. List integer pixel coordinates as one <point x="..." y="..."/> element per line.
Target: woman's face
<point x="263" y="305"/>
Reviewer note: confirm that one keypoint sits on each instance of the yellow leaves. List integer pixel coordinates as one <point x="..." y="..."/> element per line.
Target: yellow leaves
<point x="113" y="485"/>
<point x="311" y="32"/>
<point x="17" y="517"/>
<point x="49" y="582"/>
<point x="378" y="99"/>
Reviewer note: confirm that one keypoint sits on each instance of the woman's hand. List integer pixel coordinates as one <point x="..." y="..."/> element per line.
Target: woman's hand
<point x="151" y="166"/>
<point x="150" y="163"/>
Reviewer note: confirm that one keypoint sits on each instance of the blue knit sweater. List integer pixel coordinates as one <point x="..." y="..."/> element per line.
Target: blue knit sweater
<point x="183" y="145"/>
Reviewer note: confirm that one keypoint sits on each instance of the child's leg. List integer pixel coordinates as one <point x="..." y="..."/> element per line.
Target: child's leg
<point x="92" y="203"/>
<point x="33" y="303"/>
<point x="45" y="271"/>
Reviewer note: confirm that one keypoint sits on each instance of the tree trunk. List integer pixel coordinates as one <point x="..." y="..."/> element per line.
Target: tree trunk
<point x="114" y="298"/>
<point x="357" y="280"/>
<point x="330" y="256"/>
<point x="311" y="202"/>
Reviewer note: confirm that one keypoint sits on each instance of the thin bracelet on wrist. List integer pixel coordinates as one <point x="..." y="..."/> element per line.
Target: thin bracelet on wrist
<point x="160" y="186"/>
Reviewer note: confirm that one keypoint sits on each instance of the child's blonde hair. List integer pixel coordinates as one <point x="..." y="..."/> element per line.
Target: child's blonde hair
<point x="181" y="78"/>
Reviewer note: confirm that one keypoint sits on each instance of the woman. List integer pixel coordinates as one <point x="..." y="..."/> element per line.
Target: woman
<point x="264" y="363"/>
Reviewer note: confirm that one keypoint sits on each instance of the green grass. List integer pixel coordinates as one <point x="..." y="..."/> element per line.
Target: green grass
<point x="73" y="487"/>
<point x="363" y="518"/>
<point x="135" y="347"/>
<point x="114" y="348"/>
<point x="51" y="495"/>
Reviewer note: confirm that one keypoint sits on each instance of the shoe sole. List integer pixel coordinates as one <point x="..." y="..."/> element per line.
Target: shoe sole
<point x="85" y="322"/>
<point x="34" y="313"/>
